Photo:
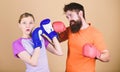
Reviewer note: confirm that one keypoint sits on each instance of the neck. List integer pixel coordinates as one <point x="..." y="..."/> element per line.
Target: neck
<point x="84" y="26"/>
<point x="26" y="36"/>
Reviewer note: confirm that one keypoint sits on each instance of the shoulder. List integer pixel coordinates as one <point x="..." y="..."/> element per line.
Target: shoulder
<point x="93" y="29"/>
<point x="16" y="41"/>
<point x="95" y="32"/>
<point x="17" y="47"/>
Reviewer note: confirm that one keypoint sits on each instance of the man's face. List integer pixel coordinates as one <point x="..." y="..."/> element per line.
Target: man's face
<point x="75" y="21"/>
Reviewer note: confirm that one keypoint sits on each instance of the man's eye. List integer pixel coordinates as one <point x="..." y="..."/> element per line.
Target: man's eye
<point x="67" y="17"/>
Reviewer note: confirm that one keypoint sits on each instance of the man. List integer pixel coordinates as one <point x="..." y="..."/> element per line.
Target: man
<point x="85" y="43"/>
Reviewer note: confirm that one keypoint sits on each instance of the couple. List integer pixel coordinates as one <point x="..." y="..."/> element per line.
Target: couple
<point x="85" y="43"/>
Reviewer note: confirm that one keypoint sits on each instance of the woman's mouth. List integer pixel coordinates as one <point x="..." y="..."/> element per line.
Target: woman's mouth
<point x="27" y="29"/>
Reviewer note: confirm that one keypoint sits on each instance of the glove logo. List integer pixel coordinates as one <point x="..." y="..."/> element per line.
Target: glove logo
<point x="48" y="28"/>
<point x="39" y="33"/>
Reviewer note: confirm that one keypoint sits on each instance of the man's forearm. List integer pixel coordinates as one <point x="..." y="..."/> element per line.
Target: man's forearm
<point x="105" y="56"/>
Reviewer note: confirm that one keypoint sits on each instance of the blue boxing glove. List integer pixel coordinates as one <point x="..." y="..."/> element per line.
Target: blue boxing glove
<point x="36" y="37"/>
<point x="47" y="28"/>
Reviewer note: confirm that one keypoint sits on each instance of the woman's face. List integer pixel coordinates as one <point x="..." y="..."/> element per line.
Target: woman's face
<point x="27" y="25"/>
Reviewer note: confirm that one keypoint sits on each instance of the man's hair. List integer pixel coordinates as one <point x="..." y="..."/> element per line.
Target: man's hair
<point x="26" y="14"/>
<point x="74" y="6"/>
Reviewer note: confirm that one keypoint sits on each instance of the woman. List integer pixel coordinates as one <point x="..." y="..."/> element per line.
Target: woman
<point x="34" y="58"/>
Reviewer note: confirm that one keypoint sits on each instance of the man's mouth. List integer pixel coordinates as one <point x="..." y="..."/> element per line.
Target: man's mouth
<point x="72" y="22"/>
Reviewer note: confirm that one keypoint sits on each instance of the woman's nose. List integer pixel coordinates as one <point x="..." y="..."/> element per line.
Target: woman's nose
<point x="28" y="25"/>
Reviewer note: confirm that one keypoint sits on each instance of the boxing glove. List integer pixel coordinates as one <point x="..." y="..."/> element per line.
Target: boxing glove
<point x="47" y="28"/>
<point x="90" y="51"/>
<point x="36" y="37"/>
<point x="58" y="26"/>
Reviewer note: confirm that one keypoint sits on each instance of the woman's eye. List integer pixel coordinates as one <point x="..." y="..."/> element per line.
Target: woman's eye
<point x="24" y="22"/>
<point x="31" y="23"/>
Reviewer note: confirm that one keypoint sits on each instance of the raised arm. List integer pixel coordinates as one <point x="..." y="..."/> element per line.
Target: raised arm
<point x="105" y="56"/>
<point x="92" y="52"/>
<point x="48" y="30"/>
<point x="33" y="59"/>
<point x="55" y="47"/>
<point x="30" y="59"/>
<point x="63" y="36"/>
<point x="62" y="31"/>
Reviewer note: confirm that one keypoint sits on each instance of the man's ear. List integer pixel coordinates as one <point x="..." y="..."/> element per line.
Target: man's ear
<point x="81" y="13"/>
<point x="81" y="16"/>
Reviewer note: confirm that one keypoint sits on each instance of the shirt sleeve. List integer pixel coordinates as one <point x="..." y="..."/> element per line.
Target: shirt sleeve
<point x="63" y="36"/>
<point x="46" y="42"/>
<point x="99" y="41"/>
<point x="17" y="48"/>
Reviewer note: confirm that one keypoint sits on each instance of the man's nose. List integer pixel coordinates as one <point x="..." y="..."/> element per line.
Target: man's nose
<point x="70" y="19"/>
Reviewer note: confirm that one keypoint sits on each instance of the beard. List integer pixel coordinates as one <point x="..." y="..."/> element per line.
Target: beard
<point x="75" y="26"/>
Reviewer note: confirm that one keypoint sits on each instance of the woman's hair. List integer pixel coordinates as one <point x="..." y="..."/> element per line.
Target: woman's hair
<point x="74" y="6"/>
<point x="25" y="15"/>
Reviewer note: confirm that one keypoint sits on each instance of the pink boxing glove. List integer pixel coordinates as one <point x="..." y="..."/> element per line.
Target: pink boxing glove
<point x="59" y="26"/>
<point x="90" y="51"/>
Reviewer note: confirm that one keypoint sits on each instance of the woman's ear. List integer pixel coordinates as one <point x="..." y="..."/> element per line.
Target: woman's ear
<point x="19" y="25"/>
